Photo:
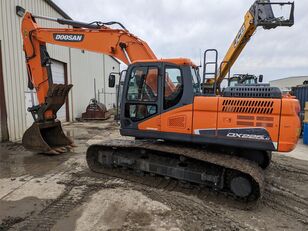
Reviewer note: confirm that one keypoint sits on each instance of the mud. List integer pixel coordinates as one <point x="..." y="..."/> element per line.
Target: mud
<point x="40" y="192"/>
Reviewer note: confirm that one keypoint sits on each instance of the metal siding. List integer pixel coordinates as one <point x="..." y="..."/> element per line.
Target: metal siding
<point x="14" y="70"/>
<point x="1" y="39"/>
<point x="85" y="67"/>
<point x="110" y="65"/>
<point x="2" y="100"/>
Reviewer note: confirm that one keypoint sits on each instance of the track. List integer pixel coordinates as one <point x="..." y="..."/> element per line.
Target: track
<point x="229" y="165"/>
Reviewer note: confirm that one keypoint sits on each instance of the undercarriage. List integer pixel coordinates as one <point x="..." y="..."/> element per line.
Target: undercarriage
<point x="231" y="175"/>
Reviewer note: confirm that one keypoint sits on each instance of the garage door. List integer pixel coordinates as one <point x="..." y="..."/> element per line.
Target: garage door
<point x="58" y="76"/>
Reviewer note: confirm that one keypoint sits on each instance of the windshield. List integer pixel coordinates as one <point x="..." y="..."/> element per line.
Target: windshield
<point x="250" y="81"/>
<point x="246" y="81"/>
<point x="233" y="82"/>
<point x="195" y="79"/>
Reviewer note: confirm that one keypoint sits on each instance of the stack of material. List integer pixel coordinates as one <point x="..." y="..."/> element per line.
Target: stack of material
<point x="306" y="124"/>
<point x="95" y="111"/>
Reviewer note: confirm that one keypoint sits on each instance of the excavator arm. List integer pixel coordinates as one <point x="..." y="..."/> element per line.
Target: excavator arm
<point x="260" y="14"/>
<point x="118" y="43"/>
<point x="97" y="37"/>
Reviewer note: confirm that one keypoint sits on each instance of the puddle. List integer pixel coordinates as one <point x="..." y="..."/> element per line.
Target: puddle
<point x="17" y="163"/>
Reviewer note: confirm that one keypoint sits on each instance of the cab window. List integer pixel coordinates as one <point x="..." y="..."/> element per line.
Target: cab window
<point x="137" y="112"/>
<point x="143" y="84"/>
<point x="142" y="93"/>
<point x="195" y="80"/>
<point x="173" y="87"/>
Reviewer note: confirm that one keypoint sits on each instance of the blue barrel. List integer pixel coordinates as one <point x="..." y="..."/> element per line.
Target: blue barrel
<point x="305" y="139"/>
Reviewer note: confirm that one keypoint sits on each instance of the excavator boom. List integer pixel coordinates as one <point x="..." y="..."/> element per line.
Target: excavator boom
<point x="97" y="37"/>
<point x="118" y="43"/>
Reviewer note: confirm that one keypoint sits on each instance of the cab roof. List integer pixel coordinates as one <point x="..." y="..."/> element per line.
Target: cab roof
<point x="177" y="61"/>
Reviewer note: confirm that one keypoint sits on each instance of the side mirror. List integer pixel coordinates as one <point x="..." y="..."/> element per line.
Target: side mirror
<point x="111" y="81"/>
<point x="260" y="78"/>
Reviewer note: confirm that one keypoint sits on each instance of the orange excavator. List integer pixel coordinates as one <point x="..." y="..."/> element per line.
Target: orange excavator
<point x="221" y="141"/>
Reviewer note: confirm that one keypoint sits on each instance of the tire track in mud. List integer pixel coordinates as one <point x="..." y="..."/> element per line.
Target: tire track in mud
<point x="291" y="171"/>
<point x="74" y="195"/>
<point x="186" y="201"/>
<point x="58" y="208"/>
<point x="193" y="212"/>
<point x="282" y="193"/>
<point x="287" y="203"/>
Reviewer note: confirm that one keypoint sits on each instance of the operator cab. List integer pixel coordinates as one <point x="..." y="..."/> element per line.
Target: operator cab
<point x="153" y="87"/>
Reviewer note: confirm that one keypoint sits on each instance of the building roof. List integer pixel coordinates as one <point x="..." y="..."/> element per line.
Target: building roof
<point x="291" y="77"/>
<point x="58" y="9"/>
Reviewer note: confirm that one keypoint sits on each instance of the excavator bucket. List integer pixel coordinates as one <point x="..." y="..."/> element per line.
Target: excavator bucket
<point x="46" y="138"/>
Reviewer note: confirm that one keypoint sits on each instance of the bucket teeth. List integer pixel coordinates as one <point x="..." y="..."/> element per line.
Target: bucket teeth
<point x="60" y="150"/>
<point x="53" y="152"/>
<point x="64" y="149"/>
<point x="70" y="147"/>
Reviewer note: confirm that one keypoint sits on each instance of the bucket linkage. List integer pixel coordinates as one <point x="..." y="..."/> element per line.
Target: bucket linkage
<point x="47" y="136"/>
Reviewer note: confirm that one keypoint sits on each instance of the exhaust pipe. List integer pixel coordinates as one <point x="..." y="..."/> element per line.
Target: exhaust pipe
<point x="47" y="137"/>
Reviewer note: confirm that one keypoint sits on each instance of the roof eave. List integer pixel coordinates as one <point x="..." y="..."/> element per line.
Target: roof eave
<point x="58" y="9"/>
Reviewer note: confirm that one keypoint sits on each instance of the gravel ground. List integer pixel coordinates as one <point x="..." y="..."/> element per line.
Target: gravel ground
<point x="39" y="192"/>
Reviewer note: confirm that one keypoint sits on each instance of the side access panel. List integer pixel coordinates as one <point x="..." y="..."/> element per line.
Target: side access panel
<point x="241" y="122"/>
<point x="178" y="120"/>
<point x="256" y="119"/>
<point x="205" y="115"/>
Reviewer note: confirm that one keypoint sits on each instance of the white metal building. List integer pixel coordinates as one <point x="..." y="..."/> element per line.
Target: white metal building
<point x="286" y="84"/>
<point x="69" y="66"/>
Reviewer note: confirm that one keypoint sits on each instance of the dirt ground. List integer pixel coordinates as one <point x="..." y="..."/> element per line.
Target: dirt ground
<point x="39" y="192"/>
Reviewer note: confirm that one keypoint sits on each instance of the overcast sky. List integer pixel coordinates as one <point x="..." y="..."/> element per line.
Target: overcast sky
<point x="181" y="28"/>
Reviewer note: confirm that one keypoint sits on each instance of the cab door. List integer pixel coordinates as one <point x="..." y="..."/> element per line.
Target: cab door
<point x="140" y="101"/>
<point x="177" y="98"/>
